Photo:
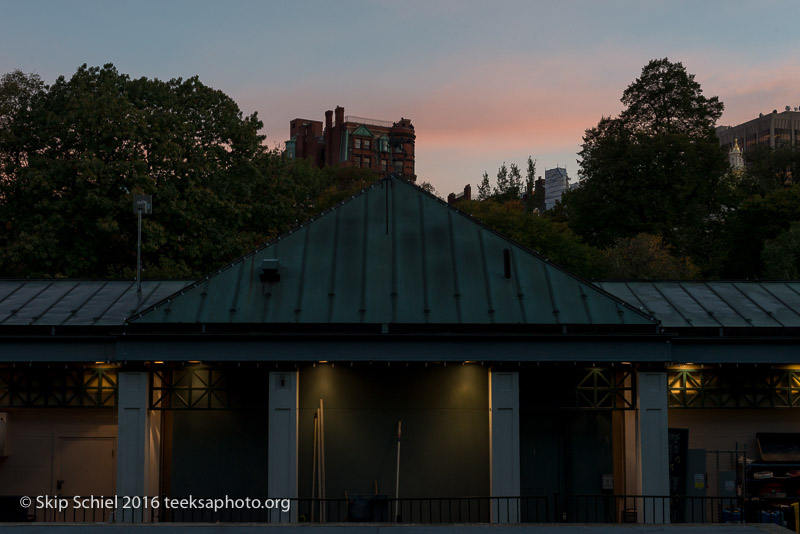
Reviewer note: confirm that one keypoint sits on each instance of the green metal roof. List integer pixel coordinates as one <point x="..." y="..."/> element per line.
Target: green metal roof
<point x="714" y="304"/>
<point x="393" y="254"/>
<point x="78" y="302"/>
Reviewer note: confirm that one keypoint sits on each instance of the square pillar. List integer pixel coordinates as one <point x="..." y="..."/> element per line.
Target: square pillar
<point x="652" y="447"/>
<point x="135" y="441"/>
<point x="282" y="462"/>
<point x="504" y="445"/>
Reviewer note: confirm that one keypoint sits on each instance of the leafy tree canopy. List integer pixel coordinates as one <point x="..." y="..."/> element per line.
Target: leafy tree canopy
<point x="655" y="169"/>
<point x="551" y="239"/>
<point x="76" y="151"/>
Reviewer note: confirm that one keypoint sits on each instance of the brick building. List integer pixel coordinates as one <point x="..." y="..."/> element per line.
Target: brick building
<point x="349" y="141"/>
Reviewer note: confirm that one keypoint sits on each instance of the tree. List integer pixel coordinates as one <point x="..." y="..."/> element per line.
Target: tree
<point x="501" y="186"/>
<point x="428" y="187"/>
<point x="484" y="188"/>
<point x="530" y="176"/>
<point x="85" y="144"/>
<point x="647" y="257"/>
<point x="17" y="89"/>
<point x="551" y="239"/>
<point x="769" y="168"/>
<point x="514" y="182"/>
<point x="655" y="169"/>
<point x="666" y="99"/>
<point x="781" y="256"/>
<point x="757" y="221"/>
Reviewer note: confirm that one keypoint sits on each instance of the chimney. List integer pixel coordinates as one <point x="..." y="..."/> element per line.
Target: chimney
<point x="467" y="192"/>
<point x="451" y="198"/>
<point x="339" y="115"/>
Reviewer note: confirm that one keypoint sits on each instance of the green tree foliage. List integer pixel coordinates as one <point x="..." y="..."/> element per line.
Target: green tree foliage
<point x="769" y="169"/>
<point x="530" y="176"/>
<point x="81" y="147"/>
<point x="514" y="182"/>
<point x="501" y="186"/>
<point x="484" y="188"/>
<point x="655" y="169"/>
<point x="551" y="239"/>
<point x="781" y="256"/>
<point x="759" y="220"/>
<point x="647" y="257"/>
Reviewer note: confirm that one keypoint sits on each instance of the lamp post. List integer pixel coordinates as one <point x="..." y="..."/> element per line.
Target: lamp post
<point x="142" y="205"/>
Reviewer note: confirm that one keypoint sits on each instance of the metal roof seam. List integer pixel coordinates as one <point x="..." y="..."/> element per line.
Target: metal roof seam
<point x="456" y="287"/>
<point x="237" y="290"/>
<point x="669" y="301"/>
<point x="56" y="301"/>
<point x="105" y="311"/>
<point x="394" y="255"/>
<point x="728" y="304"/>
<point x="550" y="290"/>
<point x="486" y="282"/>
<point x="364" y="271"/>
<point x="585" y="300"/>
<point x="776" y="297"/>
<point x="22" y="307"/>
<point x="748" y="297"/>
<point x="426" y="311"/>
<point x="298" y="309"/>
<point x="709" y="313"/>
<point x="644" y="306"/>
<point x="518" y="285"/>
<point x="332" y="280"/>
<point x="86" y="301"/>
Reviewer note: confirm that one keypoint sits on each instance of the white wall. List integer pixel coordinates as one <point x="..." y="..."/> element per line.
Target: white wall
<point x="722" y="429"/>
<point x="33" y="435"/>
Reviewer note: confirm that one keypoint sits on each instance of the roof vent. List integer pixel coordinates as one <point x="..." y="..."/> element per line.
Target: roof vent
<point x="270" y="270"/>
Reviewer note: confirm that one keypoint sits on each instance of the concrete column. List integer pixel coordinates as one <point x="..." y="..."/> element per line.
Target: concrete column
<point x="283" y="417"/>
<point x="504" y="445"/>
<point x="133" y="440"/>
<point x="652" y="437"/>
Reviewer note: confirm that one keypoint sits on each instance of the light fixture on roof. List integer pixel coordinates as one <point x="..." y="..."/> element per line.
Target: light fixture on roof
<point x="270" y="270"/>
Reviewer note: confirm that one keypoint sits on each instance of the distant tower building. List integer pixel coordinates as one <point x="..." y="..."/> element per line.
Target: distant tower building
<point x="735" y="159"/>
<point x="382" y="146"/>
<point x="556" y="182"/>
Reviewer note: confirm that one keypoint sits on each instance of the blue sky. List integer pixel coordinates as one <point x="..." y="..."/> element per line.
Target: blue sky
<point x="483" y="83"/>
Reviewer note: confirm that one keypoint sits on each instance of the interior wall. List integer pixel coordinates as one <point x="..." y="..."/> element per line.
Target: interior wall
<point x="713" y="429"/>
<point x="445" y="429"/>
<point x="218" y="452"/>
<point x="730" y="430"/>
<point x="33" y="437"/>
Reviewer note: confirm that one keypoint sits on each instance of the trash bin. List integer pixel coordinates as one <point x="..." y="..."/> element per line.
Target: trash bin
<point x="358" y="508"/>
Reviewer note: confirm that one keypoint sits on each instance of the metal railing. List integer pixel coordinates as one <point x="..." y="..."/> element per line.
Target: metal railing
<point x="364" y="120"/>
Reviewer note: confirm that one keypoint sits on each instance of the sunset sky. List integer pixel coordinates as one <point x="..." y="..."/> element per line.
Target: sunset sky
<point x="482" y="83"/>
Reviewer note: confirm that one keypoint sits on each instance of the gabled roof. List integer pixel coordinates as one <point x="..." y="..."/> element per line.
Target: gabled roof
<point x="362" y="131"/>
<point x="393" y="254"/>
<point x="714" y="304"/>
<point x="78" y="302"/>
